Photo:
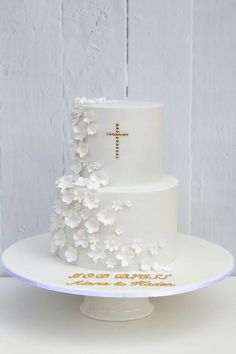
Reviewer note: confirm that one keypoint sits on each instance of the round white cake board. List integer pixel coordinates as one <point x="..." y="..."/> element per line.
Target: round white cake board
<point x="118" y="296"/>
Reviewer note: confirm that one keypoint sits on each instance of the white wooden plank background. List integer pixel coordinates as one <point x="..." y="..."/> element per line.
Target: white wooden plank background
<point x="182" y="53"/>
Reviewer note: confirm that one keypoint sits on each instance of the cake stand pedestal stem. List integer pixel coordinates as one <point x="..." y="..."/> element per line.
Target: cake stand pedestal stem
<point x="115" y="309"/>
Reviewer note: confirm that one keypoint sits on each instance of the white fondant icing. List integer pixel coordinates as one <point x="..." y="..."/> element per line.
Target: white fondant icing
<point x="120" y="226"/>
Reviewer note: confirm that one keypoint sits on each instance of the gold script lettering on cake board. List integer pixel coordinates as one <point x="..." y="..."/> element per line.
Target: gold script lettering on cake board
<point x="131" y="279"/>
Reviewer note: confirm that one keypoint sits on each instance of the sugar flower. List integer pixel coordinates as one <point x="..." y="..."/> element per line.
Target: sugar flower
<point x="162" y="244"/>
<point x="89" y="117"/>
<point x="128" y="203"/>
<point x="107" y="216"/>
<point x="72" y="219"/>
<point x="81" y="239"/>
<point x="119" y="230"/>
<point x="90" y="200"/>
<point x="112" y="243"/>
<point x="110" y="263"/>
<point x="92" y="225"/>
<point x="82" y="149"/>
<point x="68" y="196"/>
<point x="137" y="247"/>
<point x="92" y="128"/>
<point x="80" y="131"/>
<point x="59" y="238"/>
<point x="125" y="255"/>
<point x="93" y="166"/>
<point x="117" y="205"/>
<point x="65" y="182"/>
<point x="96" y="252"/>
<point x="70" y="254"/>
<point x="76" y="166"/>
<point x="100" y="177"/>
<point x="85" y="213"/>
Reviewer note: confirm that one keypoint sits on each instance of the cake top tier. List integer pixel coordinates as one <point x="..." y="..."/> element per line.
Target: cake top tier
<point x="125" y="137"/>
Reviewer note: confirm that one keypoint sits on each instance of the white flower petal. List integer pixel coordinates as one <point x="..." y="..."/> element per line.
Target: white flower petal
<point x="72" y="219"/>
<point x="80" y="131"/>
<point x="128" y="203"/>
<point x="92" y="128"/>
<point x="82" y="149"/>
<point x="100" y="177"/>
<point x="76" y="166"/>
<point x="65" y="182"/>
<point x="90" y="201"/>
<point x="107" y="216"/>
<point x="70" y="254"/>
<point x="117" y="205"/>
<point x="92" y="225"/>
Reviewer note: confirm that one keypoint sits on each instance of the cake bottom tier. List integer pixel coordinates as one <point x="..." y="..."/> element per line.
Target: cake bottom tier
<point x="134" y="228"/>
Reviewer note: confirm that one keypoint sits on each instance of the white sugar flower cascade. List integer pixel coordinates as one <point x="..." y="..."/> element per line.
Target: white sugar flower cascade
<point x="78" y="217"/>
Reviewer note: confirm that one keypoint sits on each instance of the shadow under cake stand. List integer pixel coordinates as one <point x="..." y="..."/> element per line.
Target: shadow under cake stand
<point x="118" y="296"/>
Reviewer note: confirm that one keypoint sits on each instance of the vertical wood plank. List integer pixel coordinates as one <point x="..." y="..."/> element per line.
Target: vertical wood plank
<point x="94" y="34"/>
<point x="31" y="114"/>
<point x="214" y="122"/>
<point x="159" y="68"/>
<point x="50" y="53"/>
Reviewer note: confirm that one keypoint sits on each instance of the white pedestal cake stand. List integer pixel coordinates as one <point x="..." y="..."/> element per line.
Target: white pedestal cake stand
<point x="118" y="296"/>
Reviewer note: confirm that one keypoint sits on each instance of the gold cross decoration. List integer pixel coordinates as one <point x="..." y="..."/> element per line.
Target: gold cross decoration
<point x="117" y="134"/>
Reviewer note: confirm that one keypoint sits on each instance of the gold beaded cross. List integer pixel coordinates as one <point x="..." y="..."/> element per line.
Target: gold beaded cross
<point x="117" y="134"/>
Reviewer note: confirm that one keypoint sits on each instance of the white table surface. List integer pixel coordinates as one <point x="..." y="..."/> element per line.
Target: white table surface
<point x="34" y="320"/>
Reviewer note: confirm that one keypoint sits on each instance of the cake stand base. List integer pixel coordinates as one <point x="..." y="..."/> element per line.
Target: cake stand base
<point x="112" y="309"/>
<point x="118" y="296"/>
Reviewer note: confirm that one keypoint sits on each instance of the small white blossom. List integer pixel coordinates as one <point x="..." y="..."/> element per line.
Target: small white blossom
<point x="82" y="149"/>
<point x="92" y="225"/>
<point x="110" y="263"/>
<point x="117" y="205"/>
<point x="59" y="238"/>
<point x="65" y="182"/>
<point x="70" y="254"/>
<point x="125" y="255"/>
<point x="145" y="265"/>
<point x="84" y="160"/>
<point x="93" y="166"/>
<point x="92" y="128"/>
<point x="68" y="196"/>
<point x="107" y="216"/>
<point x="81" y="239"/>
<point x="162" y="244"/>
<point x="128" y="203"/>
<point x="56" y="222"/>
<point x="119" y="230"/>
<point x="96" y="252"/>
<point x="153" y="251"/>
<point x="80" y="131"/>
<point x="137" y="247"/>
<point x="94" y="238"/>
<point x="89" y="117"/>
<point x="72" y="219"/>
<point x="159" y="268"/>
<point x="82" y="181"/>
<point x="90" y="200"/>
<point x="112" y="243"/>
<point x="76" y="115"/>
<point x="100" y="177"/>
<point x="85" y="213"/>
<point x="61" y="208"/>
<point x="78" y="194"/>
<point x="76" y="166"/>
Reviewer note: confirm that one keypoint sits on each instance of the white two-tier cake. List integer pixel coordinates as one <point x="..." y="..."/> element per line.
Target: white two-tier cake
<point x="117" y="210"/>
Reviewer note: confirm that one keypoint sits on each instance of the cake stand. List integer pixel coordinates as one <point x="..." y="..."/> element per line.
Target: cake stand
<point x="118" y="296"/>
